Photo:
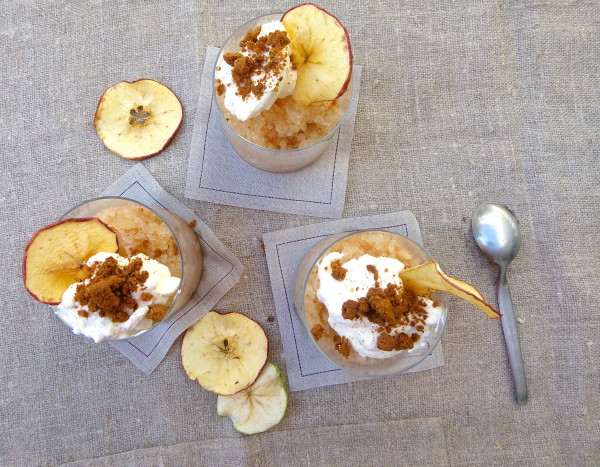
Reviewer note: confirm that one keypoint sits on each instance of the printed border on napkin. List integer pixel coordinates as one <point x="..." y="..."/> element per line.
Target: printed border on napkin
<point x="306" y="366"/>
<point x="217" y="174"/>
<point x="221" y="272"/>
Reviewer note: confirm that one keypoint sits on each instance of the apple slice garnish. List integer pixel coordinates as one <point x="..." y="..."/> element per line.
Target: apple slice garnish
<point x="259" y="407"/>
<point x="224" y="352"/>
<point x="428" y="278"/>
<point x="138" y="120"/>
<point x="56" y="256"/>
<point x="321" y="52"/>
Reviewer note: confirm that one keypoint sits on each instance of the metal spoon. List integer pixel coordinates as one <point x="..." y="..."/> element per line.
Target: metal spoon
<point x="497" y="234"/>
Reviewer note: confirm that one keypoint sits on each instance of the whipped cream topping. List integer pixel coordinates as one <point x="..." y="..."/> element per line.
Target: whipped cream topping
<point x="362" y="333"/>
<point x="159" y="284"/>
<point x="275" y="88"/>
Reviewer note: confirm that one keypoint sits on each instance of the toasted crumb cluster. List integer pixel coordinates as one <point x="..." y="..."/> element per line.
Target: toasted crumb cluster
<point x="338" y="272"/>
<point x="261" y="62"/>
<point x="317" y="331"/>
<point x="342" y="345"/>
<point x="139" y="230"/>
<point x="289" y="124"/>
<point x="157" y="312"/>
<point x="389" y="308"/>
<point x="108" y="291"/>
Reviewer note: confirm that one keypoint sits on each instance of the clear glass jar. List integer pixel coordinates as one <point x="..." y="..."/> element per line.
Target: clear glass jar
<point x="188" y="244"/>
<point x="268" y="159"/>
<point x="406" y="251"/>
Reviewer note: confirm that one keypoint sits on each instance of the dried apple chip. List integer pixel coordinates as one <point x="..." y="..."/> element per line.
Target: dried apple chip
<point x="56" y="256"/>
<point x="225" y="353"/>
<point x="138" y="120"/>
<point x="258" y="407"/>
<point x="320" y="50"/>
<point x="428" y="278"/>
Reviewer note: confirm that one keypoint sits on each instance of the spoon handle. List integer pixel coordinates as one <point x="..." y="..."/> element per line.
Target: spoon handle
<point x="511" y="336"/>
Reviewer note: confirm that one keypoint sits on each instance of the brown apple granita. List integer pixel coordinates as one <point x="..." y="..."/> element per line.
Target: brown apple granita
<point x="385" y="307"/>
<point x="289" y="124"/>
<point x="139" y="230"/>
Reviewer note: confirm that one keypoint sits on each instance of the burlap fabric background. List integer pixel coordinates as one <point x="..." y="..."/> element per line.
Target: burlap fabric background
<point x="461" y="102"/>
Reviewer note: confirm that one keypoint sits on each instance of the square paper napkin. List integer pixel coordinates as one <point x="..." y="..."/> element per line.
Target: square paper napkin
<point x="306" y="367"/>
<point x="221" y="272"/>
<point x="217" y="174"/>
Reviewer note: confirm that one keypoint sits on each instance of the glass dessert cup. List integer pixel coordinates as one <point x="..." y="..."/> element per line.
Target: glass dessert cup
<point x="186" y="241"/>
<point x="309" y="312"/>
<point x="269" y="159"/>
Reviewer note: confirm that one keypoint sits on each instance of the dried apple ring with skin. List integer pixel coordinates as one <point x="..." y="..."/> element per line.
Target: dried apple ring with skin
<point x="56" y="256"/>
<point x="138" y="120"/>
<point x="428" y="278"/>
<point x="320" y="50"/>
<point x="225" y="353"/>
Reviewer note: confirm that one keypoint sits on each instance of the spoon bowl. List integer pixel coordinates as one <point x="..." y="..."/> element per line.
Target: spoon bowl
<point x="497" y="234"/>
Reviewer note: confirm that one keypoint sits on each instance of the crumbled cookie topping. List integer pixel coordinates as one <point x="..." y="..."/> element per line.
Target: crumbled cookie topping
<point x="264" y="59"/>
<point x="108" y="292"/>
<point x="338" y="272"/>
<point x="157" y="312"/>
<point x="317" y="331"/>
<point x="342" y="345"/>
<point x="389" y="308"/>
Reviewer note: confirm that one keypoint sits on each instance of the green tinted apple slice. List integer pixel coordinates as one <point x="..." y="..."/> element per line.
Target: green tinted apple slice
<point x="258" y="407"/>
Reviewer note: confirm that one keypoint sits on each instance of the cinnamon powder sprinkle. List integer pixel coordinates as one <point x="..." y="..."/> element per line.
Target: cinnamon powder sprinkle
<point x="109" y="289"/>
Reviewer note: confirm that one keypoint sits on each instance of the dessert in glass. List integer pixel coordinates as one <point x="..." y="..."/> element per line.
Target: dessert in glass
<point x="349" y="295"/>
<point x="283" y="85"/>
<point x="113" y="268"/>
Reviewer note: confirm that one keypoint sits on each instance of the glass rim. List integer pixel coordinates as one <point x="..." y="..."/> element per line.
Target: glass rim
<point x="287" y="151"/>
<point x="181" y="279"/>
<point x="305" y="283"/>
